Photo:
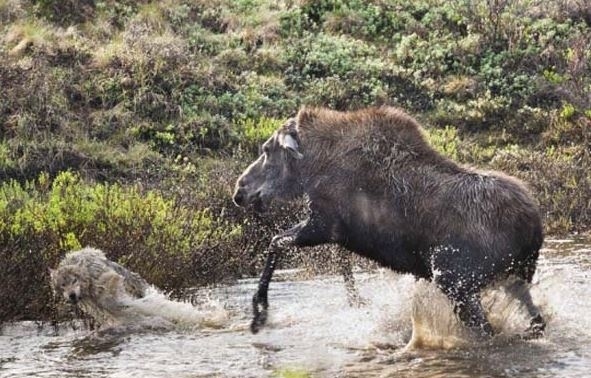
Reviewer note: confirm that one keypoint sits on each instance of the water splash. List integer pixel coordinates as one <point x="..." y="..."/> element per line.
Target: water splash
<point x="312" y="329"/>
<point x="156" y="310"/>
<point x="434" y="324"/>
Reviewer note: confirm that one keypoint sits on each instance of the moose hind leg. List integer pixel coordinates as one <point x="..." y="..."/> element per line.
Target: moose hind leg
<point x="519" y="290"/>
<point x="465" y="297"/>
<point x="470" y="311"/>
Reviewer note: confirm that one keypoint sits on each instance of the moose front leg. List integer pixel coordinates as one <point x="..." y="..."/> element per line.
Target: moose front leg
<point x="305" y="234"/>
<point x="346" y="265"/>
<point x="260" y="302"/>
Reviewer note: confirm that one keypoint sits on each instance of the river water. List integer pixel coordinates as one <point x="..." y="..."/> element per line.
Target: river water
<point x="313" y="332"/>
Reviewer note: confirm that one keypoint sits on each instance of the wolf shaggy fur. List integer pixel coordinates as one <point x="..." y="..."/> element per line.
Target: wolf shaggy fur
<point x="114" y="296"/>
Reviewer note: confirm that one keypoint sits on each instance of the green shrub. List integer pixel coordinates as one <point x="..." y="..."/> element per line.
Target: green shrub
<point x="67" y="209"/>
<point x="65" y="11"/>
<point x="567" y="111"/>
<point x="560" y="182"/>
<point x="445" y="141"/>
<point x="253" y="133"/>
<point x="321" y="55"/>
<point x="345" y="73"/>
<point x="483" y="113"/>
<point x="167" y="242"/>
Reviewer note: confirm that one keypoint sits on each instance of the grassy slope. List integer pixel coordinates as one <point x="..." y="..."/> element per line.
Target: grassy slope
<point x="167" y="101"/>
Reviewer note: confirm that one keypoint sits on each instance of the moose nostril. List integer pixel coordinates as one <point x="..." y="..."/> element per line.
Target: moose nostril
<point x="239" y="197"/>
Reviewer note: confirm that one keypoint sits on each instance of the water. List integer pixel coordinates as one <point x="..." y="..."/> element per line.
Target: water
<point x="313" y="332"/>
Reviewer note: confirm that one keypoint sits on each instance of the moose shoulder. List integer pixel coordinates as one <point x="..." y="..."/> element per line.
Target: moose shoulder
<point x="377" y="188"/>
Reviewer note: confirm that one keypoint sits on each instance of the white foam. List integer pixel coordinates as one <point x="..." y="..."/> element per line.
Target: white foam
<point x="400" y="311"/>
<point x="157" y="309"/>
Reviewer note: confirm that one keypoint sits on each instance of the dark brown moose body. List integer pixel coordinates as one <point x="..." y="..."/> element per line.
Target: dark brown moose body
<point x="376" y="187"/>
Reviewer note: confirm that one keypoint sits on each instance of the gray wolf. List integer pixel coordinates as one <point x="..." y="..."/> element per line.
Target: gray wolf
<point x="376" y="187"/>
<point x="115" y="296"/>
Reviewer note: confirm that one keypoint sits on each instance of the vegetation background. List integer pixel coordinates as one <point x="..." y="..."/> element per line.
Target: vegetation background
<point x="124" y="124"/>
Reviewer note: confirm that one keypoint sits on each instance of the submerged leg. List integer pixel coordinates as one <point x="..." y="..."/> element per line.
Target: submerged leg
<point x="520" y="291"/>
<point x="461" y="280"/>
<point x="346" y="266"/>
<point x="260" y="302"/>
<point x="306" y="234"/>
<point x="470" y="311"/>
<point x="466" y="302"/>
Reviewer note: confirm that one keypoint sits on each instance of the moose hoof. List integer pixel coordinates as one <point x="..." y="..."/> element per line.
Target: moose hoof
<point x="357" y="301"/>
<point x="536" y="328"/>
<point x="258" y="322"/>
<point x="255" y="327"/>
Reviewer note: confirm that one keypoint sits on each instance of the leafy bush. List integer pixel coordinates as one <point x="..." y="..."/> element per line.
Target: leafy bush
<point x="344" y="73"/>
<point x="253" y="133"/>
<point x="170" y="244"/>
<point x="560" y="181"/>
<point x="445" y="141"/>
<point x="65" y="11"/>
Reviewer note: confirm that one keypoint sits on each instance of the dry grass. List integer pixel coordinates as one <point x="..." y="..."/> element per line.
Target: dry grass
<point x="461" y="87"/>
<point x="11" y="10"/>
<point x="106" y="53"/>
<point x="23" y="35"/>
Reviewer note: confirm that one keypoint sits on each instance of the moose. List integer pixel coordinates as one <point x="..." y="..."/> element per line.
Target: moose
<point x="376" y="187"/>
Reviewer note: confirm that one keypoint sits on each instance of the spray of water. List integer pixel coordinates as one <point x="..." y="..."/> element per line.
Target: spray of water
<point x="155" y="310"/>
<point x="406" y="328"/>
<point x="435" y="326"/>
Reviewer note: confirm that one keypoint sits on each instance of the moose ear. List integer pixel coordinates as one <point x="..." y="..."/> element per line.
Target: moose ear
<point x="291" y="144"/>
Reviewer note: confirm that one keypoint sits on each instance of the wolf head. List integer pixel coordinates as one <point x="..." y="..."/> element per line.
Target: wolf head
<point x="69" y="281"/>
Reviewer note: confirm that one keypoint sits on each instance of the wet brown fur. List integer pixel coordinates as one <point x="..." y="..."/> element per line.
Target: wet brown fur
<point x="376" y="187"/>
<point x="383" y="151"/>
